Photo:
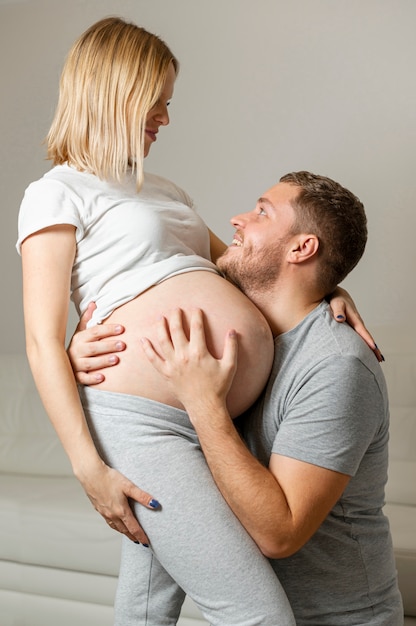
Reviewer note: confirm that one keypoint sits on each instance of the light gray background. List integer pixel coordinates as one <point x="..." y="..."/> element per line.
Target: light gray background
<point x="265" y="87"/>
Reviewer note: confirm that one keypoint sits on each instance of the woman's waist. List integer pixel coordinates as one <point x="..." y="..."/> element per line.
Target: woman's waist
<point x="118" y="417"/>
<point x="114" y="290"/>
<point x="221" y="302"/>
<point x="225" y="308"/>
<point x="133" y="375"/>
<point x="106" y="402"/>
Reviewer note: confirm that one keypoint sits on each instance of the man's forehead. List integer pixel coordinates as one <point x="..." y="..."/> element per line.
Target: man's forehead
<point x="279" y="195"/>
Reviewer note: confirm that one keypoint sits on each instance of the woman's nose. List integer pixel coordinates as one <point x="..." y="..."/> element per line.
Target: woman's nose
<point x="162" y="115"/>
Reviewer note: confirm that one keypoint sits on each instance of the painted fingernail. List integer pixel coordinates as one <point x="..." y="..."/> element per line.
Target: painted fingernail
<point x="145" y="545"/>
<point x="378" y="354"/>
<point x="340" y="317"/>
<point x="154" y="504"/>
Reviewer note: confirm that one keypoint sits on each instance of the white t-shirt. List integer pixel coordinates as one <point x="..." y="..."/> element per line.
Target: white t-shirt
<point x="126" y="241"/>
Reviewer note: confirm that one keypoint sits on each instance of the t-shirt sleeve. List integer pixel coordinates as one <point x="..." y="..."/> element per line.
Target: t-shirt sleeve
<point x="333" y="417"/>
<point x="47" y="203"/>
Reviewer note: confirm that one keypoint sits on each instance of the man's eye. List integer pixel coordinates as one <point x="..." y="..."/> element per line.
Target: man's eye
<point x="262" y="211"/>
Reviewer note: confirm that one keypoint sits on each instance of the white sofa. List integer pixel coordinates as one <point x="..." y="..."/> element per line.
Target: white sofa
<point x="59" y="560"/>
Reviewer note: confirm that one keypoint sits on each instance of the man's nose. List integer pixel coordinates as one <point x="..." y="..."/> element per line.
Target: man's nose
<point x="240" y="220"/>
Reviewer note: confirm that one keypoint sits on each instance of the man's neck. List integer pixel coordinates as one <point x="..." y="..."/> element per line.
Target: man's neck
<point x="284" y="308"/>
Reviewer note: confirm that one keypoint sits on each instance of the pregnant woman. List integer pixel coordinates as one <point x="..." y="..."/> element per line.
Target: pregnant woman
<point x="98" y="227"/>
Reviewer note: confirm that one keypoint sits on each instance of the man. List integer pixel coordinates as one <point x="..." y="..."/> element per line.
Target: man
<point x="309" y="484"/>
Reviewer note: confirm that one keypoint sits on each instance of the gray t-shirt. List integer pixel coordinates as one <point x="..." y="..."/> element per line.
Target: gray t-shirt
<point x="326" y="404"/>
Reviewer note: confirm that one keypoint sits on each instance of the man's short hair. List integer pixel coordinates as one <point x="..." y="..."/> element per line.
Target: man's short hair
<point x="337" y="217"/>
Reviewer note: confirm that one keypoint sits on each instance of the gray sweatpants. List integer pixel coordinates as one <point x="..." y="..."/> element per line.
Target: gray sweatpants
<point x="198" y="547"/>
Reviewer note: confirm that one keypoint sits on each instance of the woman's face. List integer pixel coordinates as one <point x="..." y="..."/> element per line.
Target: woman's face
<point x="158" y="115"/>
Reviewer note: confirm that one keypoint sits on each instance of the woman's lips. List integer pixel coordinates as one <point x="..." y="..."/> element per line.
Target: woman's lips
<point x="151" y="134"/>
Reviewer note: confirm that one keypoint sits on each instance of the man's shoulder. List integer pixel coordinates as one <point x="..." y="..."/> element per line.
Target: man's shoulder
<point x="320" y="339"/>
<point x="335" y="337"/>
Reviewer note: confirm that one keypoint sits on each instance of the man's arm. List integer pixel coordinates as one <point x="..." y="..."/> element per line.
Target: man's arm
<point x="280" y="506"/>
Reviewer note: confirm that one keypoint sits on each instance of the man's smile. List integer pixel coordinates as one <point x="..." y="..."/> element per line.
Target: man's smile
<point x="237" y="240"/>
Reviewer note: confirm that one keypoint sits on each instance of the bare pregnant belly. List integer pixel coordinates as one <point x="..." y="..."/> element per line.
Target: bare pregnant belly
<point x="224" y="306"/>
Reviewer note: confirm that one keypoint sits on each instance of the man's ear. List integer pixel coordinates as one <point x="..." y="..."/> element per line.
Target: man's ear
<point x="304" y="247"/>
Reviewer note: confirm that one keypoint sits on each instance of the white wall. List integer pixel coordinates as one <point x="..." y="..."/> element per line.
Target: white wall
<point x="266" y="87"/>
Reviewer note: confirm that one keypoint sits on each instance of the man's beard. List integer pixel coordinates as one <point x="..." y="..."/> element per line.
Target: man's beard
<point x="253" y="271"/>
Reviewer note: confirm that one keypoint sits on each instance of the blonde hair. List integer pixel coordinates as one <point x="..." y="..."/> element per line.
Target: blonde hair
<point x="112" y="77"/>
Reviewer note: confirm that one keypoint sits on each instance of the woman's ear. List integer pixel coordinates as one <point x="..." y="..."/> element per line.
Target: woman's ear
<point x="304" y="248"/>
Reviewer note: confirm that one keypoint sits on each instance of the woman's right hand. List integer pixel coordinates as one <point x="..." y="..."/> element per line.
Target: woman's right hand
<point x="47" y="259"/>
<point x="93" y="349"/>
<point x="109" y="492"/>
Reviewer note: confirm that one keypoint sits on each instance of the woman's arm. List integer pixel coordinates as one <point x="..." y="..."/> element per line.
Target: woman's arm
<point x="47" y="259"/>
<point x="217" y="246"/>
